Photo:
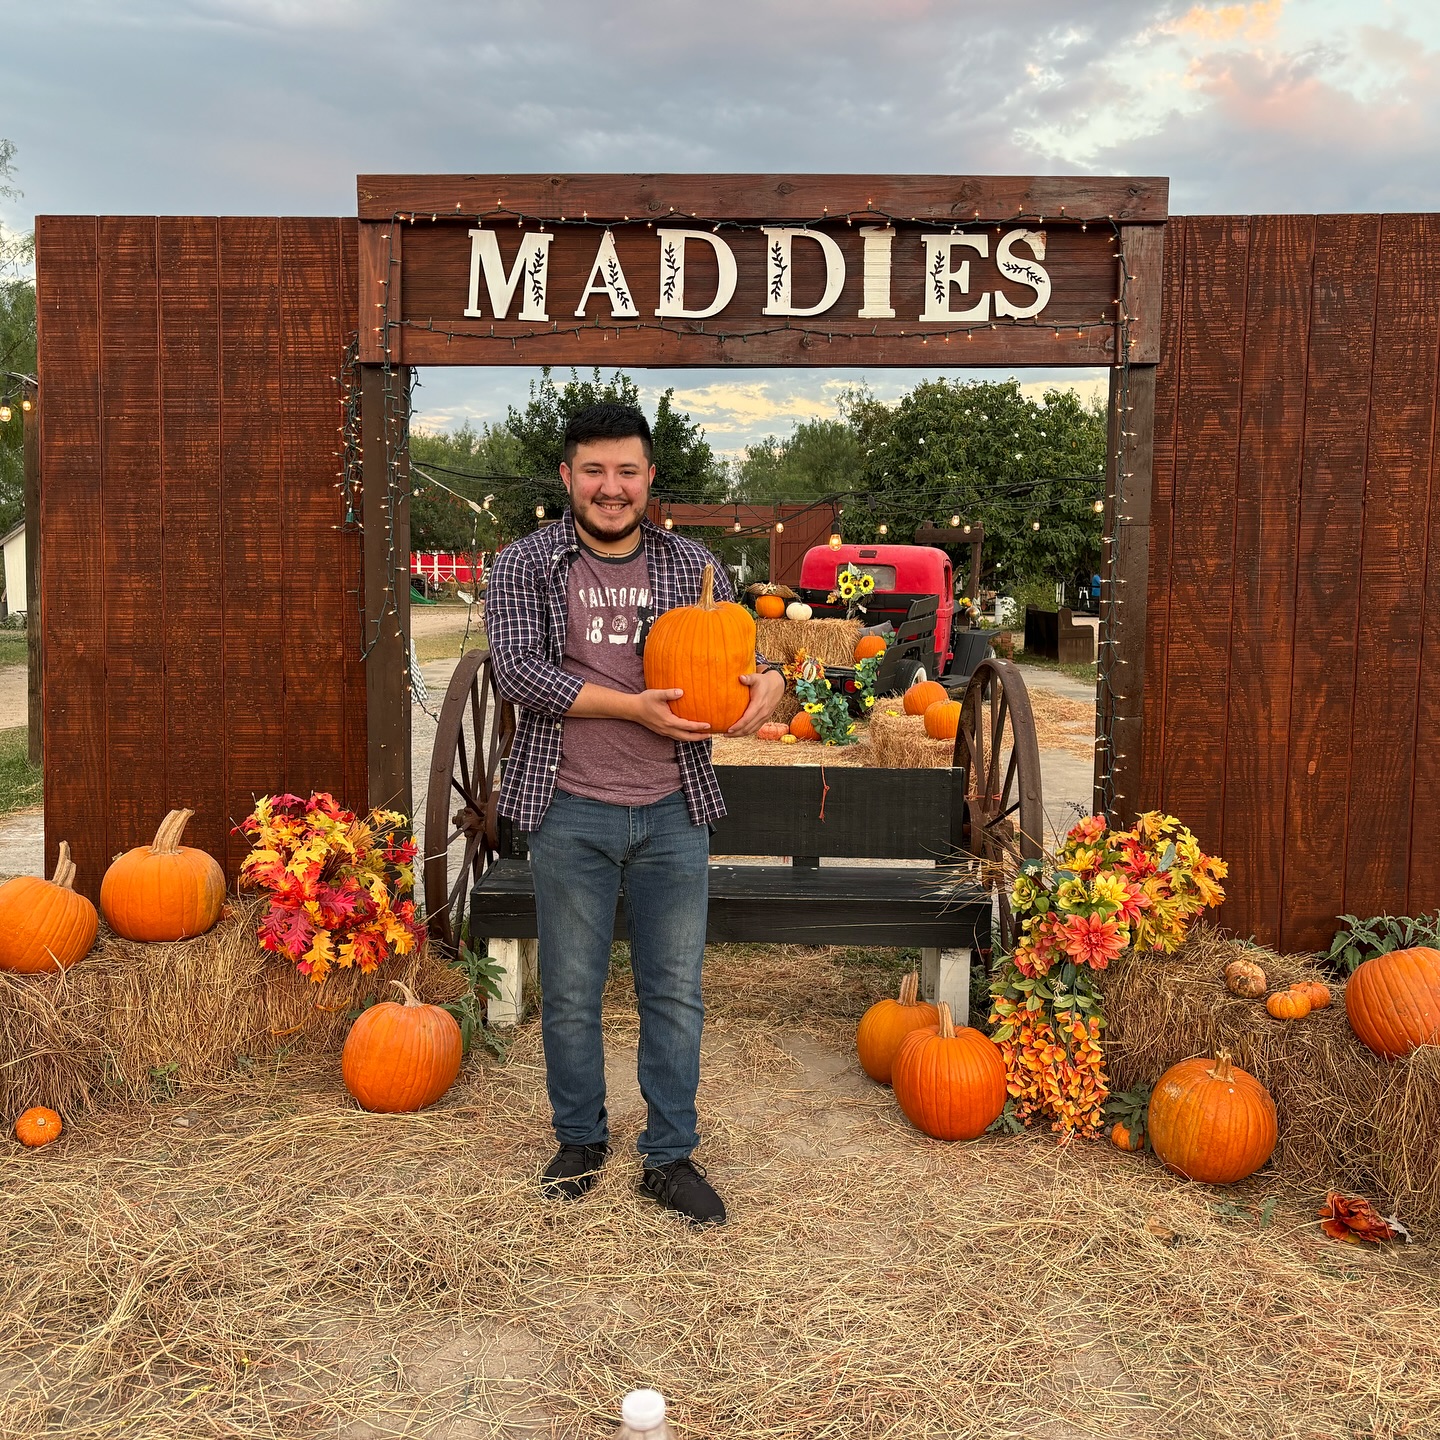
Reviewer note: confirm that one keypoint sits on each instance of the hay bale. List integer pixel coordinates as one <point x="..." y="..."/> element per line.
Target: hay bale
<point x="747" y="750"/>
<point x="1347" y="1118"/>
<point x="832" y="642"/>
<point x="131" y="1017"/>
<point x="899" y="741"/>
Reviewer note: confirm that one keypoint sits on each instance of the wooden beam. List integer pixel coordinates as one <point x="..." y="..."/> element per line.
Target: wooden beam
<point x="381" y="339"/>
<point x="30" y="419"/>
<point x="385" y="511"/>
<point x="1143" y="250"/>
<point x="951" y="198"/>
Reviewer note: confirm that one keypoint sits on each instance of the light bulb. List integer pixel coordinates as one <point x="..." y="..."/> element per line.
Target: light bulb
<point x="736" y="527"/>
<point x="1099" y="507"/>
<point x="967" y="529"/>
<point x="4" y="414"/>
<point x="26" y="406"/>
<point x="883" y="528"/>
<point x="834" y="542"/>
<point x="539" y="512"/>
<point x="669" y="523"/>
<point x="954" y="519"/>
<point x="1034" y="524"/>
<point x="779" y="527"/>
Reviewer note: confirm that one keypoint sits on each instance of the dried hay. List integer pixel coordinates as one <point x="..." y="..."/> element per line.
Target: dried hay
<point x="129" y="1017"/>
<point x="899" y="741"/>
<point x="1347" y="1118"/>
<point x="1062" y="723"/>
<point x="747" y="750"/>
<point x="267" y="1261"/>
<point x="832" y="642"/>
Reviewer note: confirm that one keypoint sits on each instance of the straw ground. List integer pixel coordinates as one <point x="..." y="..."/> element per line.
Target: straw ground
<point x="257" y="1258"/>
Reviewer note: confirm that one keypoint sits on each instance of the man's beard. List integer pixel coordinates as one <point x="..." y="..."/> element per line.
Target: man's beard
<point x="605" y="526"/>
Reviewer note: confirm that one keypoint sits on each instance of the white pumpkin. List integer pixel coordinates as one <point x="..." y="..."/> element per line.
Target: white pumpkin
<point x="797" y="610"/>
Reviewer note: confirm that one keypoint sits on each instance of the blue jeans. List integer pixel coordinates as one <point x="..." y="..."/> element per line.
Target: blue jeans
<point x="580" y="856"/>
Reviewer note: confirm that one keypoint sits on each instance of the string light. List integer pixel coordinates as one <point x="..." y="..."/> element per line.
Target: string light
<point x="669" y="523"/>
<point x="26" y="405"/>
<point x="883" y="528"/>
<point x="539" y="512"/>
<point x="835" y="542"/>
<point x="955" y="520"/>
<point x="1099" y="507"/>
<point x="4" y="414"/>
<point x="779" y="527"/>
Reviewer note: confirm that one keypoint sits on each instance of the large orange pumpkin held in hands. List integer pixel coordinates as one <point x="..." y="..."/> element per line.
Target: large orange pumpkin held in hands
<point x="44" y="924"/>
<point x="38" y="1126"/>
<point x="1211" y="1121"/>
<point x="886" y="1024"/>
<point x="702" y="650"/>
<point x="950" y="1083"/>
<point x="165" y="890"/>
<point x="398" y="1058"/>
<point x="919" y="698"/>
<point x="1393" y="1001"/>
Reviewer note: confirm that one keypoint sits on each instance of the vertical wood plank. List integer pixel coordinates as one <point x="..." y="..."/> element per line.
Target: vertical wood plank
<point x="1272" y="427"/>
<point x="251" y="468"/>
<point x="1391" y="580"/>
<point x="357" y="754"/>
<point x="193" y="513"/>
<point x="311" y="348"/>
<point x="1203" y="512"/>
<point x="72" y="596"/>
<point x="1164" y="451"/>
<point x="35" y="650"/>
<point x="1144" y="249"/>
<point x="1342" y="333"/>
<point x="131" y="535"/>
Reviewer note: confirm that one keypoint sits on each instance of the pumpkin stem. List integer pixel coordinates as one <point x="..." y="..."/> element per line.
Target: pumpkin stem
<point x="172" y="827"/>
<point x="406" y="991"/>
<point x="909" y="987"/>
<point x="947" y="1022"/>
<point x="707" y="589"/>
<point x="1223" y="1069"/>
<point x="64" y="875"/>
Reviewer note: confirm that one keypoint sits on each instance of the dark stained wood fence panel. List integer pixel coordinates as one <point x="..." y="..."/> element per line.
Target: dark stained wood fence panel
<point x="1312" y="665"/>
<point x="199" y="598"/>
<point x="188" y="252"/>
<point x="72" y="575"/>
<point x="1202" y="523"/>
<point x="1390" y="593"/>
<point x="1332" y="503"/>
<point x="131" y="535"/>
<point x="1262" y="605"/>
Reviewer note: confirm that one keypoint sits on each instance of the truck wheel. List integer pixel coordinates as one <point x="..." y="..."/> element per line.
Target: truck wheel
<point x="908" y="673"/>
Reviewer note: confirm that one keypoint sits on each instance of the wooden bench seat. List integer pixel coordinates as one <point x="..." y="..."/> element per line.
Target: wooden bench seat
<point x="800" y="813"/>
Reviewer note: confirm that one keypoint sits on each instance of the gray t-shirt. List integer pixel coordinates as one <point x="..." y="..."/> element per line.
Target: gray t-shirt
<point x="616" y="761"/>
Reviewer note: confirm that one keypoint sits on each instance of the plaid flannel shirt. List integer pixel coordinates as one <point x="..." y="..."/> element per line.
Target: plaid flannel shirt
<point x="526" y="616"/>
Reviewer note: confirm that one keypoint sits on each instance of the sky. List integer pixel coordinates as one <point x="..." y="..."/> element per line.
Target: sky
<point x="274" y="106"/>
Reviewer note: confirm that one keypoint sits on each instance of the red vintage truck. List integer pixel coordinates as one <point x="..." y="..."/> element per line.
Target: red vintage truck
<point x="939" y="641"/>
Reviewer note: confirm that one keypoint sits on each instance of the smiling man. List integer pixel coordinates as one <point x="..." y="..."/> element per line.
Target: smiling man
<point x="615" y="792"/>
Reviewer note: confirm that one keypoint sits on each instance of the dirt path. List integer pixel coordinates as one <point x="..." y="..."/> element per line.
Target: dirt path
<point x="14" y="697"/>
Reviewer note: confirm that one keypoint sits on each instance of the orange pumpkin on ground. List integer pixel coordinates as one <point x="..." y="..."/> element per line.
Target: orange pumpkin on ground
<point x="884" y="1026"/>
<point x="1211" y="1121"/>
<point x="802" y="727"/>
<point x="38" y="1126"/>
<point x="1319" y="994"/>
<point x="703" y="649"/>
<point x="401" y="1057"/>
<point x="769" y="607"/>
<point x="869" y="645"/>
<point x="950" y="1083"/>
<point x="164" y="890"/>
<point x="772" y="730"/>
<point x="942" y="720"/>
<point x="1125" y="1137"/>
<point x="1393" y="1001"/>
<point x="919" y="698"/>
<point x="44" y="924"/>
<point x="1288" y="1004"/>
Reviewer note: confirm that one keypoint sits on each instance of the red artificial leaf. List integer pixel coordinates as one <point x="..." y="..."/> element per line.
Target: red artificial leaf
<point x="339" y="903"/>
<point x="286" y="930"/>
<point x="1353" y="1218"/>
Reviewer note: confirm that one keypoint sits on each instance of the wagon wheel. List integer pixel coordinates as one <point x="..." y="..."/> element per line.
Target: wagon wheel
<point x="462" y="835"/>
<point x="997" y="748"/>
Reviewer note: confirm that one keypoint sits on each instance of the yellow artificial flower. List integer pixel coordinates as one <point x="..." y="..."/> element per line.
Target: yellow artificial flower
<point x="1108" y="889"/>
<point x="814" y="708"/>
<point x="870" y="700"/>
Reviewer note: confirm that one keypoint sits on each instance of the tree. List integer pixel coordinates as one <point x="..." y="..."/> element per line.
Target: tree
<point x="17" y="347"/>
<point x="473" y="464"/>
<point x="821" y="457"/>
<point x="1028" y="471"/>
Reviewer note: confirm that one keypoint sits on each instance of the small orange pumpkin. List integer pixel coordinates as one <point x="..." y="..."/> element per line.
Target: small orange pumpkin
<point x="1319" y="994"/>
<point x="771" y="730"/>
<point x="38" y="1126"/>
<point x="1393" y="1001"/>
<point x="950" y="1083"/>
<point x="769" y="607"/>
<point x="942" y="719"/>
<point x="703" y="649"/>
<point x="886" y="1024"/>
<point x="164" y="890"/>
<point x="1211" y="1121"/>
<point x="869" y="645"/>
<point x="802" y="727"/>
<point x="919" y="698"/>
<point x="1126" y="1137"/>
<point x="44" y="924"/>
<point x="1288" y="1004"/>
<point x="401" y="1057"/>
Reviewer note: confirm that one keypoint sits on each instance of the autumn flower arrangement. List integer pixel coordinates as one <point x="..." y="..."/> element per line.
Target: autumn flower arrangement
<point x="334" y="881"/>
<point x="1105" y="892"/>
<point x="854" y="587"/>
<point x="829" y="709"/>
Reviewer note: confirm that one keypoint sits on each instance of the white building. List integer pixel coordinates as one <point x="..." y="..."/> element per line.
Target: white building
<point x="14" y="546"/>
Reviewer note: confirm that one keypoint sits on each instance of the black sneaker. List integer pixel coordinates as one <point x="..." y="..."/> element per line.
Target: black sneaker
<point x="681" y="1185"/>
<point x="573" y="1170"/>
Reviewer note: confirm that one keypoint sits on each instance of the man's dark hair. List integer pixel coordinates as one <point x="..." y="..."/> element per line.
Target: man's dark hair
<point x="607" y="421"/>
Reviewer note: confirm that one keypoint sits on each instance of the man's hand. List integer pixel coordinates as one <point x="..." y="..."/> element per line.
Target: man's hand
<point x="765" y="692"/>
<point x="652" y="710"/>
